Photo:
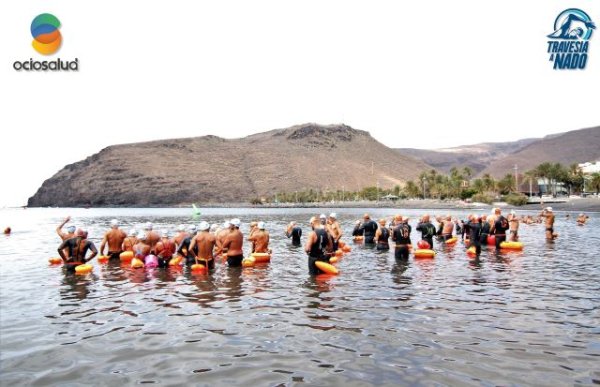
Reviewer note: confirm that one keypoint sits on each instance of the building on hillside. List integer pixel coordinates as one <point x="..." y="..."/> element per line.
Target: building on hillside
<point x="590" y="167"/>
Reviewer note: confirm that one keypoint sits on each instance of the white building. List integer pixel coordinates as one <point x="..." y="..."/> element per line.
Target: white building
<point x="590" y="167"/>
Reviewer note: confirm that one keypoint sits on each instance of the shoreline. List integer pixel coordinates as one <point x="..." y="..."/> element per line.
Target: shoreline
<point x="584" y="204"/>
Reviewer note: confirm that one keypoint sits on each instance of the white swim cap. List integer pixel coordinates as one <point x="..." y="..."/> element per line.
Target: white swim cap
<point x="148" y="226"/>
<point x="181" y="227"/>
<point x="114" y="223"/>
<point x="333" y="215"/>
<point x="226" y="224"/>
<point x="236" y="222"/>
<point x="143" y="237"/>
<point x="164" y="233"/>
<point x="261" y="225"/>
<point x="322" y="216"/>
<point x="133" y="232"/>
<point x="549" y="209"/>
<point x="214" y="226"/>
<point x="192" y="227"/>
<point x="71" y="229"/>
<point x="204" y="226"/>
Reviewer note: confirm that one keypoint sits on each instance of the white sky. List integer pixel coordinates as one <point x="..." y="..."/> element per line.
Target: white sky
<point x="423" y="74"/>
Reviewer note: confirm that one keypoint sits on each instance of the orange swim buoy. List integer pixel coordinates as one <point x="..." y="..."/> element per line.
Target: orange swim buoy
<point x="451" y="241"/>
<point x="261" y="257"/>
<point x="326" y="267"/>
<point x="339" y="253"/>
<point x="511" y="246"/>
<point x="333" y="259"/>
<point x="471" y="252"/>
<point x="347" y="249"/>
<point x="102" y="258"/>
<point x="137" y="263"/>
<point x="491" y="240"/>
<point x="55" y="261"/>
<point x="126" y="256"/>
<point x="358" y="238"/>
<point x="424" y="253"/>
<point x="198" y="268"/>
<point x="341" y="244"/>
<point x="248" y="262"/>
<point x="83" y="269"/>
<point x="175" y="261"/>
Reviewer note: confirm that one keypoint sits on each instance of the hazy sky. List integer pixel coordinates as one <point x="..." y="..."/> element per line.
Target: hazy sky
<point x="424" y="74"/>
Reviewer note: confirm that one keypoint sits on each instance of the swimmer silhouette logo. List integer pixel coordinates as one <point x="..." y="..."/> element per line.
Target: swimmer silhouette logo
<point x="569" y="46"/>
<point x="46" y="36"/>
<point x="47" y="40"/>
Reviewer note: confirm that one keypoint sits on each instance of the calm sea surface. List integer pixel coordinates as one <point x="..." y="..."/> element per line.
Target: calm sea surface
<point x="530" y="318"/>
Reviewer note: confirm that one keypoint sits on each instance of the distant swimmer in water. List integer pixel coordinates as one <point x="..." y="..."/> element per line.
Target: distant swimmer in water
<point x="130" y="241"/>
<point x="165" y="249"/>
<point x="382" y="236"/>
<point x="114" y="238"/>
<point x="233" y="244"/>
<point x="152" y="237"/>
<point x="202" y="246"/>
<point x="513" y="223"/>
<point x="582" y="218"/>
<point x="295" y="232"/>
<point x="317" y="245"/>
<point x="549" y="215"/>
<point x="7" y="231"/>
<point x="77" y="248"/>
<point x="260" y="239"/>
<point x="70" y="230"/>
<point x="334" y="229"/>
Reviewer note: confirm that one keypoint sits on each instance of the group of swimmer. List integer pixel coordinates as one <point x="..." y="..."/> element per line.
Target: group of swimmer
<point x="204" y="242"/>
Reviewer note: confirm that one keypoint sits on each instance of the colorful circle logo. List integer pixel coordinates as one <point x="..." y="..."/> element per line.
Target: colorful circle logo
<point x="46" y="36"/>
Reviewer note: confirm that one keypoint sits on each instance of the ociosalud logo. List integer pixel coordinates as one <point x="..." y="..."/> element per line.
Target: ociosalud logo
<point x="47" y="39"/>
<point x="569" y="46"/>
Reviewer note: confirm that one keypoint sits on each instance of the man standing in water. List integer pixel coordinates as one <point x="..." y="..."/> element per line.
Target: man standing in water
<point x="221" y="235"/>
<point x="295" y="232"/>
<point x="152" y="237"/>
<point x="401" y="236"/>
<point x="184" y="247"/>
<point x="114" y="237"/>
<point x="77" y="248"/>
<point x="499" y="228"/>
<point x="204" y="242"/>
<point x="549" y="215"/>
<point x="130" y="241"/>
<point x="70" y="230"/>
<point x="260" y="239"/>
<point x="233" y="244"/>
<point x="165" y="248"/>
<point x="368" y="227"/>
<point x="317" y="244"/>
<point x="427" y="230"/>
<point x="334" y="230"/>
<point x="475" y="234"/>
<point x="513" y="223"/>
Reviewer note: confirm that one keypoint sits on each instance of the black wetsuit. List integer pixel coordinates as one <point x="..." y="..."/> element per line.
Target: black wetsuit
<point x="427" y="232"/>
<point x="184" y="250"/>
<point x="318" y="251"/>
<point x="296" y="234"/>
<point x="356" y="231"/>
<point x="401" y="235"/>
<point x="500" y="228"/>
<point x="383" y="240"/>
<point x="459" y="229"/>
<point x="77" y="248"/>
<point x="475" y="236"/>
<point x="466" y="230"/>
<point x="368" y="228"/>
<point x="485" y="231"/>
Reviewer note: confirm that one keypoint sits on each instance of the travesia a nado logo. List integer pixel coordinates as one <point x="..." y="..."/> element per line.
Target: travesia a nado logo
<point x="569" y="46"/>
<point x="47" y="39"/>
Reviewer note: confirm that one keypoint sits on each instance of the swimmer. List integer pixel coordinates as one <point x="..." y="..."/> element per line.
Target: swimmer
<point x="382" y="236"/>
<point x="513" y="222"/>
<point x="202" y="246"/>
<point x="233" y="244"/>
<point x="485" y="230"/>
<point x="7" y="231"/>
<point x="295" y="232"/>
<point x="152" y="237"/>
<point x="323" y="219"/>
<point x="475" y="234"/>
<point x="184" y="247"/>
<point x="368" y="228"/>
<point x="401" y="236"/>
<point x="334" y="229"/>
<point x="70" y="230"/>
<point x="253" y="229"/>
<point x="356" y="231"/>
<point x="260" y="239"/>
<point x="180" y="236"/>
<point x="114" y="238"/>
<point x="427" y="229"/>
<point x="447" y="228"/>
<point x="549" y="215"/>
<point x="582" y="218"/>
<point x="221" y="235"/>
<point x="142" y="247"/>
<point x="77" y="248"/>
<point x="165" y="249"/>
<point x="499" y="228"/>
<point x="130" y="241"/>
<point x="317" y="245"/>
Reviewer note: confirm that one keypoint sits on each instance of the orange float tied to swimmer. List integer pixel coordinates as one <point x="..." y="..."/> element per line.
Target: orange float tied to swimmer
<point x="341" y="244"/>
<point x="198" y="268"/>
<point x="511" y="245"/>
<point x="424" y="253"/>
<point x="326" y="267"/>
<point x="102" y="258"/>
<point x="491" y="240"/>
<point x="451" y="241"/>
<point x="346" y="249"/>
<point x="248" y="262"/>
<point x="261" y="257"/>
<point x="339" y="253"/>
<point x="358" y="238"/>
<point x="175" y="261"/>
<point x="55" y="261"/>
<point x="422" y="244"/>
<point x="137" y="263"/>
<point x="471" y="252"/>
<point x="333" y="259"/>
<point x="83" y="269"/>
<point x="126" y="256"/>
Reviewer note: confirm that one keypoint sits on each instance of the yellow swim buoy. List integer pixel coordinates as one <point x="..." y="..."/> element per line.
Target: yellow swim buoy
<point x="248" y="262"/>
<point x="424" y="253"/>
<point x="126" y="256"/>
<point x="511" y="245"/>
<point x="333" y="259"/>
<point x="198" y="268"/>
<point x="137" y="263"/>
<point x="175" y="261"/>
<point x="326" y="267"/>
<point x="83" y="269"/>
<point x="102" y="258"/>
<point x="55" y="261"/>
<point x="471" y="252"/>
<point x="261" y="257"/>
<point x="451" y="241"/>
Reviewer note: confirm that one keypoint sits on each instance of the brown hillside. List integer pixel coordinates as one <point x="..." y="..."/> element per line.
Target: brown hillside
<point x="215" y="170"/>
<point x="571" y="147"/>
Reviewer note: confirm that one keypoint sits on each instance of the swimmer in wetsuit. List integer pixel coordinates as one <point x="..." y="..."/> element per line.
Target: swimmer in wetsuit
<point x="295" y="232"/>
<point x="202" y="246"/>
<point x="382" y="236"/>
<point x="114" y="238"/>
<point x="485" y="230"/>
<point x="401" y="236"/>
<point x="317" y="245"/>
<point x="368" y="229"/>
<point x="475" y="234"/>
<point x="427" y="230"/>
<point x="184" y="248"/>
<point x="499" y="228"/>
<point x="76" y="248"/>
<point x="233" y="244"/>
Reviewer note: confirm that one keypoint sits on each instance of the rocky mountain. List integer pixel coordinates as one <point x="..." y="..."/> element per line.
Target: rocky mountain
<point x="211" y="169"/>
<point x="477" y="157"/>
<point x="576" y="146"/>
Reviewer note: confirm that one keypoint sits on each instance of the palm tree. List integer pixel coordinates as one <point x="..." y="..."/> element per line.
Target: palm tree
<point x="595" y="182"/>
<point x="543" y="171"/>
<point x="411" y="189"/>
<point x="531" y="175"/>
<point x="467" y="172"/>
